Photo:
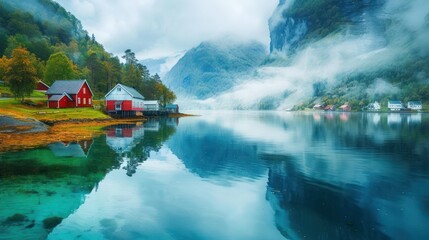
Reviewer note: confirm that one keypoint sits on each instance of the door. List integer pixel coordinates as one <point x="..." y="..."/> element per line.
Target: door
<point x="118" y="106"/>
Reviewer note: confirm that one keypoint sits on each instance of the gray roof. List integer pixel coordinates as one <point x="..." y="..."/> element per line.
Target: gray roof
<point x="65" y="86"/>
<point x="415" y="102"/>
<point x="56" y="97"/>
<point x="132" y="91"/>
<point x="71" y="150"/>
<point x="395" y="102"/>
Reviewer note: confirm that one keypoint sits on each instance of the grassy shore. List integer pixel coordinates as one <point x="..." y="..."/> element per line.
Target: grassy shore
<point x="59" y="132"/>
<point x="68" y="125"/>
<point x="14" y="108"/>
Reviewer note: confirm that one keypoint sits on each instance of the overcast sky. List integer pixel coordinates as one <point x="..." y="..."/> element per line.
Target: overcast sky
<point x="158" y="28"/>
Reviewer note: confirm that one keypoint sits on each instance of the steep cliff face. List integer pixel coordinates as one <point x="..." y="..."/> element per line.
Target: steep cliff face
<point x="324" y="51"/>
<point x="213" y="67"/>
<point x="337" y="51"/>
<point x="294" y="24"/>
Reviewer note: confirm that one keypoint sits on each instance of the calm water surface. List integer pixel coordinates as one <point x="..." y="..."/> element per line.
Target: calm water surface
<point x="226" y="175"/>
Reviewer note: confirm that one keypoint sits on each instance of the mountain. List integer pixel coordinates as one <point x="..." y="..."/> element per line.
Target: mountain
<point x="45" y="28"/>
<point x="214" y="67"/>
<point x="362" y="50"/>
<point x="294" y="24"/>
<point x="38" y="25"/>
<point x="331" y="52"/>
<point x="162" y="65"/>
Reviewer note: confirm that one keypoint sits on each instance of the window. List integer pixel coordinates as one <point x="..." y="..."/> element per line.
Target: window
<point x="78" y="100"/>
<point x="84" y="101"/>
<point x="119" y="89"/>
<point x="89" y="100"/>
<point x="84" y="90"/>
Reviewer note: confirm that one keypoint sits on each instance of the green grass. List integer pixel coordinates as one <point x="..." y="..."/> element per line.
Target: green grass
<point x="15" y="108"/>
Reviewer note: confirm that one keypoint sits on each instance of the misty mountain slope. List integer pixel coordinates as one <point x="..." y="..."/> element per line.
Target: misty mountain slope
<point x="336" y="51"/>
<point x="297" y="23"/>
<point x="213" y="67"/>
<point x="37" y="25"/>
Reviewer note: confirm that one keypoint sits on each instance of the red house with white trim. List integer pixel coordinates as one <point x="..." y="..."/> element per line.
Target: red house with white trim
<point x="124" y="100"/>
<point x="69" y="93"/>
<point x="41" y="86"/>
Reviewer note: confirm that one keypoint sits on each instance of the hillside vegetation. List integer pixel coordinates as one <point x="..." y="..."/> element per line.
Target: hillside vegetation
<point x="46" y="29"/>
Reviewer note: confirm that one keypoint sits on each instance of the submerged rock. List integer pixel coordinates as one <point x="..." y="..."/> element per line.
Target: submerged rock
<point x="16" y="219"/>
<point x="51" y="222"/>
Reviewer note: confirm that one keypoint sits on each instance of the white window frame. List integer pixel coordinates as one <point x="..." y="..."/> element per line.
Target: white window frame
<point x="84" y="90"/>
<point x="78" y="100"/>
<point x="84" y="101"/>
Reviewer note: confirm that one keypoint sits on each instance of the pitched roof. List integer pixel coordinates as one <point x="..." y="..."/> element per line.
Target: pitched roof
<point x="395" y="102"/>
<point x="40" y="81"/>
<point x="66" y="86"/>
<point x="129" y="90"/>
<point x="56" y="97"/>
<point x="415" y="102"/>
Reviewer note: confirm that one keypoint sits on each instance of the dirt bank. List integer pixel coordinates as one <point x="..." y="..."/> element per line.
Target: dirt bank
<point x="17" y="134"/>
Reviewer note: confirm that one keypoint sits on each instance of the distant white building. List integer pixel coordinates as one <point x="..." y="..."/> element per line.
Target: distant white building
<point x="375" y="106"/>
<point x="395" y="105"/>
<point x="415" y="105"/>
<point x="151" y="105"/>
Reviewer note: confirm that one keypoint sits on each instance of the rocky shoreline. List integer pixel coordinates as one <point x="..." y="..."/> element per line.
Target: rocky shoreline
<point x="28" y="125"/>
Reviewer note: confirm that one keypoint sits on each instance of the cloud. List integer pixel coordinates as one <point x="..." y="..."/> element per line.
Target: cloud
<point x="158" y="28"/>
<point x="380" y="86"/>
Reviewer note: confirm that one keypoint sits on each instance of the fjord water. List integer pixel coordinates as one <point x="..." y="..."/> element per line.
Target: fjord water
<point x="227" y="175"/>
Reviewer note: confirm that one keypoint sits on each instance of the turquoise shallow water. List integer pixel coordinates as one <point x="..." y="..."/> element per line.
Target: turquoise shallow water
<point x="227" y="175"/>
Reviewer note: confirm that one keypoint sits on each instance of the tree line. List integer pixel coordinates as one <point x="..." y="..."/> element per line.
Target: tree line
<point x="53" y="46"/>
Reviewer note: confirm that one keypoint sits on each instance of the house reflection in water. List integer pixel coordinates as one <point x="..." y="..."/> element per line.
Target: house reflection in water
<point x="414" y="118"/>
<point x="78" y="149"/>
<point x="133" y="143"/>
<point x="394" y="119"/>
<point x="123" y="139"/>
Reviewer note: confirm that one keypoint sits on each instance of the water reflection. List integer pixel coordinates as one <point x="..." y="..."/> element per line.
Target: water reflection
<point x="343" y="176"/>
<point x="133" y="143"/>
<point x="258" y="175"/>
<point x="41" y="187"/>
<point x="74" y="149"/>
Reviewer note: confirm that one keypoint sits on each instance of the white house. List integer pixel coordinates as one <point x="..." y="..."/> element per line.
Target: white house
<point x="395" y="105"/>
<point x="151" y="105"/>
<point x="415" y="105"/>
<point x="124" y="99"/>
<point x="375" y="106"/>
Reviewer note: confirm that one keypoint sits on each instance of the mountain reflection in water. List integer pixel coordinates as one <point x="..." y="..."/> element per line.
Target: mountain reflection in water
<point x="248" y="175"/>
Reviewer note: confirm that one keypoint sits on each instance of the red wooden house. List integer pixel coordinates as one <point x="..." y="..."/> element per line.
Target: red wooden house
<point x="124" y="100"/>
<point x="41" y="86"/>
<point x="69" y="93"/>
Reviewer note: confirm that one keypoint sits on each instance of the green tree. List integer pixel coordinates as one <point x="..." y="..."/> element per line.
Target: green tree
<point x="21" y="73"/>
<point x="58" y="67"/>
<point x="113" y="71"/>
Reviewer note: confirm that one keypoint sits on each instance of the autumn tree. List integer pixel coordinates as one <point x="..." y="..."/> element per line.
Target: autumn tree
<point x="4" y="61"/>
<point x="165" y="95"/>
<point x="21" y="73"/>
<point x="58" y="67"/>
